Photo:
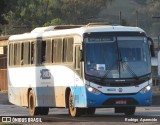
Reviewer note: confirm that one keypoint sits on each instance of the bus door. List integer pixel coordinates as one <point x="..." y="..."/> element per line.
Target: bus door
<point x="78" y="82"/>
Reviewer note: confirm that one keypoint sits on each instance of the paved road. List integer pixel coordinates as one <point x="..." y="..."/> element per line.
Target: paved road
<point x="102" y="116"/>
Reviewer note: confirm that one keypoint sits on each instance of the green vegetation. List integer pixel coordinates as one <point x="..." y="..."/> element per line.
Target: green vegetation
<point x="19" y="16"/>
<point x="150" y="10"/>
<point x="28" y="14"/>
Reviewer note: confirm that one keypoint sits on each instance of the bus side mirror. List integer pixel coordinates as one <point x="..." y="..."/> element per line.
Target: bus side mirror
<point x="151" y="47"/>
<point x="81" y="56"/>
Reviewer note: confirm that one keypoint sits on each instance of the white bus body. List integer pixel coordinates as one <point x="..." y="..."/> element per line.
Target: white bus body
<point x="49" y="67"/>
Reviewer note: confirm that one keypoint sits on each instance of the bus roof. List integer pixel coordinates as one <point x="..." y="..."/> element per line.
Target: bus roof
<point x="51" y="31"/>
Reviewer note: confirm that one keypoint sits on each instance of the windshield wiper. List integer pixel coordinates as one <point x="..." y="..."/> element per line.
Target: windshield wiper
<point x="121" y="62"/>
<point x="127" y="67"/>
<point x="130" y="70"/>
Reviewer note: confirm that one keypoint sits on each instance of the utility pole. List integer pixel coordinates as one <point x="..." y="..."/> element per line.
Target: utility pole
<point x="136" y="18"/>
<point x="120" y="18"/>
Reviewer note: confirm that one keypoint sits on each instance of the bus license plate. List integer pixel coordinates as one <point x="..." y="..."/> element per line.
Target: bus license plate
<point x="121" y="102"/>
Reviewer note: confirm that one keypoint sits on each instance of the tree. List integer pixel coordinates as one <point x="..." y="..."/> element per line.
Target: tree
<point x="5" y="7"/>
<point x="150" y="10"/>
<point x="55" y="21"/>
<point x="2" y="6"/>
<point x="28" y="14"/>
<point x="80" y="11"/>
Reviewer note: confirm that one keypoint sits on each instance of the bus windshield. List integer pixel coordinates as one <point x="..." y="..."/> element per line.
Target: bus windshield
<point x="117" y="56"/>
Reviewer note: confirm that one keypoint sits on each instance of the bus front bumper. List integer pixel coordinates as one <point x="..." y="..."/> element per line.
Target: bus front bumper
<point x="118" y="100"/>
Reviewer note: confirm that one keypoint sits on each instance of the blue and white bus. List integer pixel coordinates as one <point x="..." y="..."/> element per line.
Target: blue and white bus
<point x="80" y="68"/>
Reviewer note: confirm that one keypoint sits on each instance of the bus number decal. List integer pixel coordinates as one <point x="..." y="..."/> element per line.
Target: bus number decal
<point x="45" y="74"/>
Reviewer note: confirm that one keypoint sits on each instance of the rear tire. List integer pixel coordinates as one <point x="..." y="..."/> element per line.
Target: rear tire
<point x="125" y="110"/>
<point x="44" y="110"/>
<point x="33" y="110"/>
<point x="73" y="111"/>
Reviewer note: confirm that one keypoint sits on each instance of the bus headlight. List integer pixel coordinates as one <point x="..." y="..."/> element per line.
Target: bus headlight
<point x="146" y="89"/>
<point x="92" y="90"/>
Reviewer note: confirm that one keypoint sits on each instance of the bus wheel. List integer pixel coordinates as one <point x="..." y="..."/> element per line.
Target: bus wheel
<point x="32" y="109"/>
<point x="130" y="110"/>
<point x="73" y="111"/>
<point x="44" y="110"/>
<point x="90" y="111"/>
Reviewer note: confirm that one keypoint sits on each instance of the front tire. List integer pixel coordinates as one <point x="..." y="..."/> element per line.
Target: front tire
<point x="130" y="110"/>
<point x="73" y="111"/>
<point x="89" y="111"/>
<point x="126" y="110"/>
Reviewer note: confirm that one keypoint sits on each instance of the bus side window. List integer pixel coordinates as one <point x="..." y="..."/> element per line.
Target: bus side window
<point x="11" y="54"/>
<point x="15" y="53"/>
<point x="18" y="57"/>
<point x="65" y="50"/>
<point x="48" y="51"/>
<point x="10" y="46"/>
<point x="68" y="50"/>
<point x="57" y="50"/>
<point x="26" y="53"/>
<point x="77" y="57"/>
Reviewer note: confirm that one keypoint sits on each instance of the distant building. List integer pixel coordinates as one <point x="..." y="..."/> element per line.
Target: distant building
<point x="3" y="63"/>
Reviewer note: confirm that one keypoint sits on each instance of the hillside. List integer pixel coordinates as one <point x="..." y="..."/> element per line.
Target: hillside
<point x="128" y="11"/>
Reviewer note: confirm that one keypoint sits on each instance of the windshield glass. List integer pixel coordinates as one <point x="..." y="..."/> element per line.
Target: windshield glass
<point x="117" y="57"/>
<point x="134" y="53"/>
